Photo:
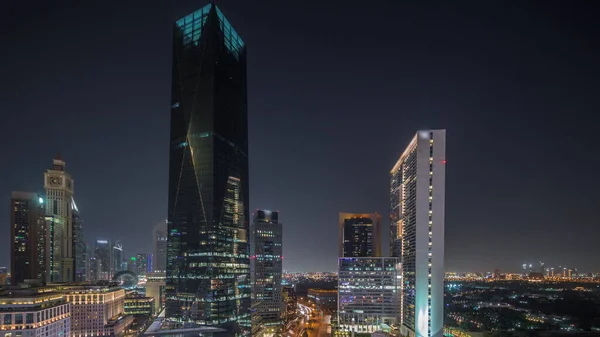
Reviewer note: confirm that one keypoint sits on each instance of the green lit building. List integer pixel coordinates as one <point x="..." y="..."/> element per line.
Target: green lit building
<point x="208" y="268"/>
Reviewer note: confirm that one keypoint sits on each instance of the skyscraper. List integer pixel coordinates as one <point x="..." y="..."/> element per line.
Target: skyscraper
<point x="359" y="235"/>
<point x="208" y="269"/>
<point x="266" y="267"/>
<point x="102" y="253"/>
<point x="117" y="258"/>
<point x="28" y="237"/>
<point x="80" y="257"/>
<point x="417" y="194"/>
<point x="160" y="247"/>
<point x="59" y="195"/>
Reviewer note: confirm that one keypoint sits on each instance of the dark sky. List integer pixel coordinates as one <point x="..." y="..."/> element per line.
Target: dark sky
<point x="336" y="91"/>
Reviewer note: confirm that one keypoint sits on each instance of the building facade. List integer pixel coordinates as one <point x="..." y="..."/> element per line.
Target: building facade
<point x="80" y="247"/>
<point x="117" y="258"/>
<point x="27" y="237"/>
<point x="155" y="288"/>
<point x="102" y="262"/>
<point x="59" y="195"/>
<point x="369" y="289"/>
<point x="417" y="195"/>
<point x="327" y="298"/>
<point x="95" y="310"/>
<point x="290" y="303"/>
<point x="266" y="266"/>
<point x="160" y="247"/>
<point x="208" y="268"/>
<point x="31" y="313"/>
<point x="359" y="235"/>
<point x="139" y="305"/>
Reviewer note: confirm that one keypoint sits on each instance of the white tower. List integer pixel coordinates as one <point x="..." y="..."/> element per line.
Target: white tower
<point x="59" y="194"/>
<point x="417" y="193"/>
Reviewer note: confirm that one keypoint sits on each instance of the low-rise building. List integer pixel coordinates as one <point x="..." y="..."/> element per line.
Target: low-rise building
<point x="97" y="310"/>
<point x="34" y="312"/>
<point x="324" y="297"/>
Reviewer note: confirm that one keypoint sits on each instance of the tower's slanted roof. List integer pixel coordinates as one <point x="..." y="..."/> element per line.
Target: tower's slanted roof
<point x="192" y="24"/>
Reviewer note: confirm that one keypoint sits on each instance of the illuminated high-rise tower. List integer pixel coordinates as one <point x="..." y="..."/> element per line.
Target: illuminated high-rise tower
<point x="266" y="267"/>
<point x="208" y="273"/>
<point x="417" y="195"/>
<point x="59" y="196"/>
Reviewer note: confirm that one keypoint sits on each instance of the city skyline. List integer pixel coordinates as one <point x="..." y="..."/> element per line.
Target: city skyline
<point x="491" y="167"/>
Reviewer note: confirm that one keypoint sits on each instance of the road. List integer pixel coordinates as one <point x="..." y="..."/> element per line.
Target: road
<point x="317" y="322"/>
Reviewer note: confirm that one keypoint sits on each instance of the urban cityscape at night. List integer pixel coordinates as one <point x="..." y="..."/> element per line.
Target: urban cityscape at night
<point x="280" y="169"/>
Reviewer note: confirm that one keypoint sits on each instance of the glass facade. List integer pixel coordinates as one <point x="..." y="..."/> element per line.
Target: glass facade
<point x="359" y="235"/>
<point x="368" y="293"/>
<point x="266" y="266"/>
<point x="28" y="237"/>
<point x="79" y="246"/>
<point x="417" y="196"/>
<point x="208" y="267"/>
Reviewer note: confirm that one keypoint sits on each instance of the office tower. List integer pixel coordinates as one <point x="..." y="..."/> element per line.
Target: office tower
<point x="96" y="310"/>
<point x="417" y="193"/>
<point x="79" y="246"/>
<point x="117" y="258"/>
<point x="160" y="247"/>
<point x="266" y="266"/>
<point x="27" y="237"/>
<point x="141" y="263"/>
<point x="32" y="312"/>
<point x="369" y="289"/>
<point x="208" y="269"/>
<point x="102" y="252"/>
<point x="59" y="195"/>
<point x="359" y="235"/>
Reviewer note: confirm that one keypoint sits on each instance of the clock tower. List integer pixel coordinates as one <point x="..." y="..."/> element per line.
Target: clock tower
<point x="59" y="220"/>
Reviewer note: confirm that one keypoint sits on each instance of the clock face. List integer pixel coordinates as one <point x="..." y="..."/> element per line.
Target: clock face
<point x="54" y="181"/>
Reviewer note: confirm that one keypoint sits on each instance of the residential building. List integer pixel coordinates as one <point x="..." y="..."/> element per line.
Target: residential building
<point x="34" y="312"/>
<point x="59" y="195"/>
<point x="266" y="266"/>
<point x="417" y="195"/>
<point x="359" y="235"/>
<point x="27" y="237"/>
<point x="369" y="289"/>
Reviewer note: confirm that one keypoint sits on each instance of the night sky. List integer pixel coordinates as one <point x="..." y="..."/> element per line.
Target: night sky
<point x="336" y="91"/>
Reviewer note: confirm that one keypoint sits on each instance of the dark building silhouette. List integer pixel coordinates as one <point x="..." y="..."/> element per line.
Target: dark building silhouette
<point x="28" y="237"/>
<point x="208" y="268"/>
<point x="359" y="235"/>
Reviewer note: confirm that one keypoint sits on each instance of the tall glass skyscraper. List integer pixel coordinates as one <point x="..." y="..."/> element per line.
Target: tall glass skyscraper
<point x="417" y="194"/>
<point x="208" y="268"/>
